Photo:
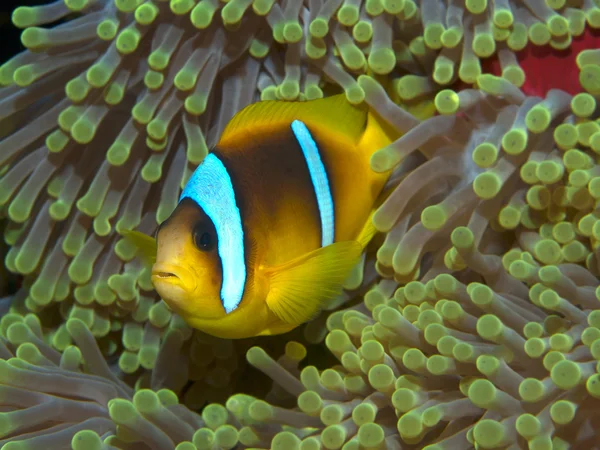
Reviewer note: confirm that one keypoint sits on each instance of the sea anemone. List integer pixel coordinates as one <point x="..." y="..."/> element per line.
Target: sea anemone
<point x="480" y="328"/>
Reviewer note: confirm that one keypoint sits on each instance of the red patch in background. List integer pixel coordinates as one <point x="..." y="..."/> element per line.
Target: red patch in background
<point x="547" y="68"/>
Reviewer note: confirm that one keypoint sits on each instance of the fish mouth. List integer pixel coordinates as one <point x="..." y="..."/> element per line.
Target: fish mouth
<point x="174" y="276"/>
<point x="164" y="275"/>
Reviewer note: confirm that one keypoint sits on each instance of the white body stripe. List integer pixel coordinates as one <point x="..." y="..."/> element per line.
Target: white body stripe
<point x="211" y="188"/>
<point x="319" y="179"/>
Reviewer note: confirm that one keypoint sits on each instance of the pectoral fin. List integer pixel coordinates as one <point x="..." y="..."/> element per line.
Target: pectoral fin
<point x="145" y="244"/>
<point x="299" y="288"/>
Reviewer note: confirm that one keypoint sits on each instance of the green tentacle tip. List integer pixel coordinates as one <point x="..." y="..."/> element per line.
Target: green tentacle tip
<point x="76" y="5"/>
<point x="531" y="390"/>
<point x="509" y="217"/>
<point x="538" y="119"/>
<point x="476" y="6"/>
<point x="487" y="365"/>
<point x="452" y="37"/>
<point x="566" y="374"/>
<point x="107" y="29"/>
<point x="83" y="131"/>
<point x="285" y="440"/>
<point x="122" y="411"/>
<point x="24" y="16"/>
<point x="57" y="141"/>
<point x="433" y="35"/>
<point x="410" y="425"/>
<point x="583" y="105"/>
<point x="146" y="401"/>
<point x="490" y="83"/>
<point x="19" y="211"/>
<point x="154" y="80"/>
<point x="503" y="18"/>
<point x="331" y="415"/>
<point x="371" y="435"/>
<point x="259" y="49"/>
<point x="558" y="25"/>
<point x="86" y="440"/>
<point x="195" y="104"/>
<point x="547" y="251"/>
<point x="439" y="365"/>
<point x="157" y="129"/>
<point x="594" y="319"/>
<point x="487" y="185"/>
<point x="485" y="155"/>
<point x="447" y="102"/>
<point x="528" y="426"/>
<point x="443" y="72"/>
<point x="353" y="57"/>
<point x="482" y="393"/>
<point x="382" y="60"/>
<point x="593" y="385"/>
<point x="202" y="15"/>
<point x="539" y="34"/>
<point x="394" y="6"/>
<point x="490" y="327"/>
<point x="535" y="347"/>
<point x="484" y="45"/>
<point x="563" y="412"/>
<point x="25" y="75"/>
<point x="262" y="7"/>
<point x="185" y="445"/>
<point x="315" y="48"/>
<point x="364" y="413"/>
<point x="374" y="7"/>
<point x="128" y="40"/>
<point x="289" y="90"/>
<point x="204" y="438"/>
<point x="549" y="172"/>
<point x="34" y="37"/>
<point x="462" y="238"/>
<point x="126" y="6"/>
<point x="514" y="74"/>
<point x="319" y="27"/>
<point x="566" y="136"/>
<point x="231" y="13"/>
<point x="362" y="32"/>
<point x="128" y="362"/>
<point x="348" y="15"/>
<point x="215" y="415"/>
<point x="292" y="32"/>
<point x="514" y="141"/>
<point x="68" y="117"/>
<point x="146" y="13"/>
<point x="433" y="217"/>
<point x="589" y="77"/>
<point x="77" y="89"/>
<point x="355" y="94"/>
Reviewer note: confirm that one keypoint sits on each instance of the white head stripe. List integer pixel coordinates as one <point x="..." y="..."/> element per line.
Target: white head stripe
<point x="211" y="188"/>
<point x="318" y="175"/>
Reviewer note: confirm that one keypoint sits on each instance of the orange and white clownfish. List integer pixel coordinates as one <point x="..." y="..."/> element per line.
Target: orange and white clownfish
<point x="270" y="224"/>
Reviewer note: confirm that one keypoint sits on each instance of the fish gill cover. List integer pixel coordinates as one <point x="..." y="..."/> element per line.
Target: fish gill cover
<point x="477" y="319"/>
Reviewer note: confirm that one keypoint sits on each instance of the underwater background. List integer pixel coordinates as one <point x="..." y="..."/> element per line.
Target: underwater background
<point x="473" y="319"/>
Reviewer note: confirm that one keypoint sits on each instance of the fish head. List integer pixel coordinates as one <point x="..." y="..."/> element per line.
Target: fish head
<point x="187" y="273"/>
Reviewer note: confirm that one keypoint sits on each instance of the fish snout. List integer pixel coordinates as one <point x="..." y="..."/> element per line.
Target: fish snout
<point x="173" y="276"/>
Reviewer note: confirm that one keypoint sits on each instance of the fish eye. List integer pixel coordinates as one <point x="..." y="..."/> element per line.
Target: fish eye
<point x="203" y="238"/>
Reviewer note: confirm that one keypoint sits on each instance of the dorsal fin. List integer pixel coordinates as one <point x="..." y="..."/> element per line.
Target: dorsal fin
<point x="333" y="112"/>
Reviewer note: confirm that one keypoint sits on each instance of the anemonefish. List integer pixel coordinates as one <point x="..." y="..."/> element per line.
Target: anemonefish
<point x="271" y="223"/>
